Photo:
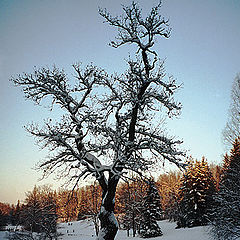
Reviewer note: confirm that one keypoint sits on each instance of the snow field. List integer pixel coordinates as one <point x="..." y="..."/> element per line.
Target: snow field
<point x="84" y="230"/>
<point x="2" y="235"/>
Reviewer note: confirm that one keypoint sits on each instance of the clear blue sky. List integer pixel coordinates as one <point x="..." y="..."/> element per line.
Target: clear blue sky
<point x="203" y="53"/>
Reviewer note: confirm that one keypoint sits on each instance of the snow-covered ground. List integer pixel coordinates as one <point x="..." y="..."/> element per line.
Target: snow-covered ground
<point x="2" y="235"/>
<point x="84" y="230"/>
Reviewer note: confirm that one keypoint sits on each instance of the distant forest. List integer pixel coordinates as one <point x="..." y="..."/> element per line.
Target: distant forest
<point x="85" y="202"/>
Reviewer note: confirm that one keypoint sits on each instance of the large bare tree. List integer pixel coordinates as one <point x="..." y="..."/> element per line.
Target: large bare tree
<point x="111" y="123"/>
<point x="232" y="129"/>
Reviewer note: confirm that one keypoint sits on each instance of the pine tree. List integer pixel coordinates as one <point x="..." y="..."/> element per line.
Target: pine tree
<point x="196" y="195"/>
<point x="226" y="214"/>
<point x="3" y="221"/>
<point x="151" y="213"/>
<point x="16" y="215"/>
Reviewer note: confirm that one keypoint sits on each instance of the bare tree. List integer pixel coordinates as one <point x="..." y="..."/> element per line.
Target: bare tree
<point x="39" y="214"/>
<point x="68" y="204"/>
<point x="111" y="124"/>
<point x="94" y="203"/>
<point x="130" y="196"/>
<point x="232" y="128"/>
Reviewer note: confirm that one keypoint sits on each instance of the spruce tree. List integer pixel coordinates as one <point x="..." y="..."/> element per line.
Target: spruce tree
<point x="151" y="213"/>
<point x="196" y="195"/>
<point x="3" y="221"/>
<point x="16" y="215"/>
<point x="226" y="214"/>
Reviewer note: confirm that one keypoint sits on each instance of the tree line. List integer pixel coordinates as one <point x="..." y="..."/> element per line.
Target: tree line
<point x="202" y="194"/>
<point x="184" y="197"/>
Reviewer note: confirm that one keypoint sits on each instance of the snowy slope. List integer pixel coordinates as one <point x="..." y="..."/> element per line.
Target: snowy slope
<point x="3" y="235"/>
<point x="84" y="230"/>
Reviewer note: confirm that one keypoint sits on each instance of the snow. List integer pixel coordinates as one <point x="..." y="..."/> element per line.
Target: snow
<point x="84" y="230"/>
<point x="3" y="235"/>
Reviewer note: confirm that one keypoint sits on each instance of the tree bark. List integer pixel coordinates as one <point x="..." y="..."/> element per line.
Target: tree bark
<point x="109" y="225"/>
<point x="108" y="222"/>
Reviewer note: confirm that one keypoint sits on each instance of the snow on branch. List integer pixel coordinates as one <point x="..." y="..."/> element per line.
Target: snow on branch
<point x="133" y="28"/>
<point x="109" y="122"/>
<point x="46" y="82"/>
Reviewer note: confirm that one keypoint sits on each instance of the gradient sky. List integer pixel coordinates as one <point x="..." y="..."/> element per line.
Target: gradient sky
<point x="202" y="53"/>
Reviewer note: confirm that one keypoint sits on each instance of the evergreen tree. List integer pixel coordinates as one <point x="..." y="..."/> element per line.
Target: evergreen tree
<point x="226" y="214"/>
<point x="17" y="213"/>
<point x="171" y="209"/>
<point x="196" y="195"/>
<point x="151" y="213"/>
<point x="3" y="221"/>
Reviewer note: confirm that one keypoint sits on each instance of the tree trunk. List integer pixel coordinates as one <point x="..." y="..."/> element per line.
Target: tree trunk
<point x="109" y="225"/>
<point x="108" y="222"/>
<point x="133" y="223"/>
<point x="96" y="224"/>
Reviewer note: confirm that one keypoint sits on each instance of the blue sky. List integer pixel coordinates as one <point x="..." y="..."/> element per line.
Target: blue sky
<point x="202" y="53"/>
